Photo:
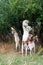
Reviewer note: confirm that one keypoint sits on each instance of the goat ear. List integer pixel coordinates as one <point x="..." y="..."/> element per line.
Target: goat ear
<point x="11" y="27"/>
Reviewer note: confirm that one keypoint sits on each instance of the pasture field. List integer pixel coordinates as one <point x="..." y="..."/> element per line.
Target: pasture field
<point x="8" y="56"/>
<point x="18" y="59"/>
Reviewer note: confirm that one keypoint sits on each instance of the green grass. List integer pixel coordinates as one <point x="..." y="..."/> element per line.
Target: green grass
<point x="11" y="59"/>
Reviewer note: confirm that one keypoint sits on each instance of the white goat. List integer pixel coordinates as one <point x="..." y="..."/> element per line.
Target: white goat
<point x="16" y="37"/>
<point x="26" y="30"/>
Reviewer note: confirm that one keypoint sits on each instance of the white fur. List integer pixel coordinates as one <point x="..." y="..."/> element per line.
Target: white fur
<point x="26" y="30"/>
<point x="25" y="36"/>
<point x="26" y="33"/>
<point x="31" y="46"/>
<point x="16" y="37"/>
<point x="25" y="22"/>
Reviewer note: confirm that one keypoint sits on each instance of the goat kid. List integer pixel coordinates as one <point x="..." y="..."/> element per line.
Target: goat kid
<point x="16" y="37"/>
<point x="31" y="43"/>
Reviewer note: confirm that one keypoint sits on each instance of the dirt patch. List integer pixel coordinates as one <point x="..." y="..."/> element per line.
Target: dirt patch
<point x="7" y="48"/>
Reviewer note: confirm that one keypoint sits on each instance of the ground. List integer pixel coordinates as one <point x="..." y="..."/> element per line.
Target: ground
<point x="9" y="56"/>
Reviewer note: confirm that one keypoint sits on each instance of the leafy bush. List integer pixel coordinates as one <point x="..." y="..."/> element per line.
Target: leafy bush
<point x="13" y="12"/>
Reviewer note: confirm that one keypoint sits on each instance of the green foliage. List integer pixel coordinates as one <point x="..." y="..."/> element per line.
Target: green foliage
<point x="13" y="12"/>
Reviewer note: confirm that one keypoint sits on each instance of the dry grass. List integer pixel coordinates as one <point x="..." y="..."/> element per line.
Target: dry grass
<point x="9" y="56"/>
